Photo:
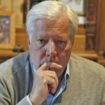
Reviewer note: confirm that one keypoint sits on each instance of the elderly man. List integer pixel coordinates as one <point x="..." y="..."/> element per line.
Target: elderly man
<point x="45" y="75"/>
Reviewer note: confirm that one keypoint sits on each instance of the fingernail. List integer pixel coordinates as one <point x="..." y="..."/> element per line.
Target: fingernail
<point x="45" y="81"/>
<point x="60" y="66"/>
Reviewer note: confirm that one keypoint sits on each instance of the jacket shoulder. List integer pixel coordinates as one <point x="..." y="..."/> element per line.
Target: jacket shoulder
<point x="86" y="66"/>
<point x="11" y="65"/>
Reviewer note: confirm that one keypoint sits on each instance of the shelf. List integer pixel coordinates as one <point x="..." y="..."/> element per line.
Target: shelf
<point x="7" y="53"/>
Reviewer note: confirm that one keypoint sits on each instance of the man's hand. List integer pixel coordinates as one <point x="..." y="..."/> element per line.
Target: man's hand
<point x="45" y="81"/>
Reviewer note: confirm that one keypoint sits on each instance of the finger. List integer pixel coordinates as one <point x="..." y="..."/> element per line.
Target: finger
<point x="51" y="78"/>
<point x="52" y="84"/>
<point x="52" y="74"/>
<point x="41" y="69"/>
<point x="55" y="65"/>
<point x="44" y="66"/>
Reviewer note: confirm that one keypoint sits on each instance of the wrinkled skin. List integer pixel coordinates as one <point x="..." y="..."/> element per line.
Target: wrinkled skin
<point x="50" y="49"/>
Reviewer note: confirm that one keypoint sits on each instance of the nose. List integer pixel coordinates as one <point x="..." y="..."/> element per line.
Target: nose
<point x="51" y="50"/>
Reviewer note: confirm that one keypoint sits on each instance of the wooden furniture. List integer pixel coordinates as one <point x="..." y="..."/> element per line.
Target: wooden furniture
<point x="100" y="31"/>
<point x="91" y="13"/>
<point x="92" y="55"/>
<point x="101" y="60"/>
<point x="95" y="27"/>
<point x="6" y="54"/>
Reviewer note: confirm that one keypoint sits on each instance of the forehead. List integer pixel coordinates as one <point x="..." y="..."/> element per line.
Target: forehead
<point x="60" y="22"/>
<point x="54" y="27"/>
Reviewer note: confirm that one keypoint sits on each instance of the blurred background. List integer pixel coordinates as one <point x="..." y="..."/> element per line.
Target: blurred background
<point x="89" y="39"/>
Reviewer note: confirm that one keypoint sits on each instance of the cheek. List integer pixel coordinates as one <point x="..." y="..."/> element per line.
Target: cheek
<point x="36" y="56"/>
<point x="35" y="52"/>
<point x="66" y="52"/>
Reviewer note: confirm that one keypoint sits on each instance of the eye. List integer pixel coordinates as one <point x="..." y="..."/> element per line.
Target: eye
<point x="61" y="43"/>
<point x="41" y="42"/>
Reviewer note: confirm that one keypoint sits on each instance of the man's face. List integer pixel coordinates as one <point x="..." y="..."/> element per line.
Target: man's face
<point x="51" y="43"/>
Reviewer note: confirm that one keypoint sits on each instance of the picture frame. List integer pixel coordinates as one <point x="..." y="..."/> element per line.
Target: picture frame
<point x="17" y="8"/>
<point x="79" y="6"/>
<point x="7" y="30"/>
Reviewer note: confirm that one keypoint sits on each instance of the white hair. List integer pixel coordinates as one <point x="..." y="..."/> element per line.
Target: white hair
<point x="51" y="9"/>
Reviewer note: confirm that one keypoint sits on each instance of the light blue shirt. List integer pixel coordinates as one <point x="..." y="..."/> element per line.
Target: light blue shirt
<point x="52" y="98"/>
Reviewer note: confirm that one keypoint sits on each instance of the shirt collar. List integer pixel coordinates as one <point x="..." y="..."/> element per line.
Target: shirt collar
<point x="67" y="73"/>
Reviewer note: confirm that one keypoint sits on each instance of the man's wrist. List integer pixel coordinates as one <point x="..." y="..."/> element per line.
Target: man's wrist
<point x="33" y="102"/>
